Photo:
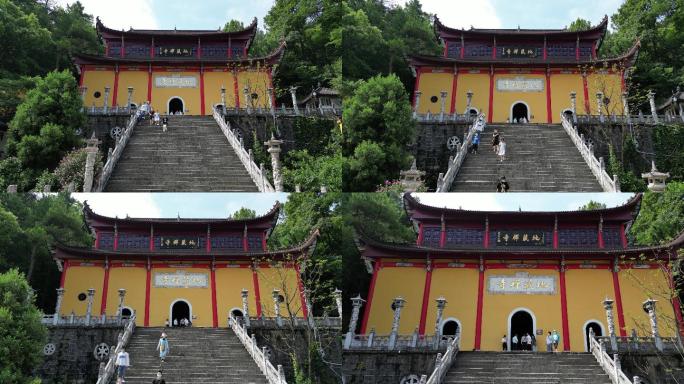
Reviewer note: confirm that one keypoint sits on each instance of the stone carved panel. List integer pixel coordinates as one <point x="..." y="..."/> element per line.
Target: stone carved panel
<point x="521" y="284"/>
<point x="180" y="279"/>
<point x="175" y="82"/>
<point x="519" y="84"/>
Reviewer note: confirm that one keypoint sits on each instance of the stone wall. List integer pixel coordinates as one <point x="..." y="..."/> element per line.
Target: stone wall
<point x="102" y="126"/>
<point x="654" y="368"/>
<point x="73" y="360"/>
<point x="613" y="134"/>
<point x="383" y="367"/>
<point x="430" y="147"/>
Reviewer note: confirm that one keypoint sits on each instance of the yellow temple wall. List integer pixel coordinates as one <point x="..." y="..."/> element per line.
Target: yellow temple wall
<point x="96" y="81"/>
<point x="257" y="82"/>
<point x="391" y="283"/>
<point x="229" y="285"/>
<point x="190" y="96"/>
<point x="586" y="290"/>
<point x="478" y="83"/>
<point x="431" y="85"/>
<point x="637" y="285"/>
<point x="133" y="281"/>
<point x="285" y="281"/>
<point x="135" y="79"/>
<point x="611" y="86"/>
<point x="454" y="284"/>
<point x="198" y="298"/>
<point x="561" y="86"/>
<point x="78" y="280"/>
<point x="213" y="81"/>
<point x="536" y="101"/>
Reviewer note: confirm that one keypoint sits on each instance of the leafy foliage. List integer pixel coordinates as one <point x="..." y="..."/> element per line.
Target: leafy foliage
<point x="661" y="216"/>
<point x="592" y="206"/>
<point x="21" y="332"/>
<point x="579" y="25"/>
<point x="243" y="213"/>
<point x="72" y="169"/>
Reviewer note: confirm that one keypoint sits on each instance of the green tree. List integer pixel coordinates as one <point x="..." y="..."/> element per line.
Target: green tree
<point x="73" y="32"/>
<point x="243" y="213"/>
<point x="579" y="25"/>
<point x="25" y="41"/>
<point x="21" y="332"/>
<point x="311" y="172"/>
<point x="233" y="26"/>
<point x="592" y="206"/>
<point x="378" y="129"/>
<point x="661" y="216"/>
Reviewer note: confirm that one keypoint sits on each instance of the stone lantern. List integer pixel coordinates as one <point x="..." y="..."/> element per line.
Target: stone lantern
<point x="656" y="179"/>
<point x="411" y="180"/>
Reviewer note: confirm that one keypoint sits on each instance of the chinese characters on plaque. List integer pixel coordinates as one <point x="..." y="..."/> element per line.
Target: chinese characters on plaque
<point x="519" y="52"/>
<point x="520" y="238"/>
<point x="179" y="242"/>
<point x="519" y="84"/>
<point x="522" y="284"/>
<point x="175" y="82"/>
<point x="174" y="52"/>
<point x="180" y="279"/>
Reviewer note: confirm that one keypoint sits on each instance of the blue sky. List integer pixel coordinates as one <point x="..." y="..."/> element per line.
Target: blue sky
<point x="221" y="205"/>
<point x="210" y="14"/>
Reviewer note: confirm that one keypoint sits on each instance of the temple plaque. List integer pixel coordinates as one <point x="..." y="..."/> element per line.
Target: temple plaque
<point x="175" y="82"/>
<point x="520" y="238"/>
<point x="519" y="84"/>
<point x="521" y="284"/>
<point x="179" y="242"/>
<point x="180" y="279"/>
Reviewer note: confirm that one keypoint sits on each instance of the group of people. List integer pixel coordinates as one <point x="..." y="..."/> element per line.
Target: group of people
<point x="184" y="322"/>
<point x="528" y="342"/>
<point x="146" y="112"/>
<point x="123" y="361"/>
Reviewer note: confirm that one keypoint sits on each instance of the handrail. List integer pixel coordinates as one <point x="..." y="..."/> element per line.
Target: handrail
<point x="445" y="180"/>
<point x="106" y="375"/>
<point x="113" y="158"/>
<point x="609" y="365"/>
<point x="273" y="375"/>
<point x="255" y="172"/>
<point x="597" y="166"/>
<point x="443" y="363"/>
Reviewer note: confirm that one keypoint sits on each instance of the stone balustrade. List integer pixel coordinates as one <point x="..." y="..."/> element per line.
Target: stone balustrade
<point x="82" y="321"/>
<point x="322" y="112"/>
<point x="445" y="180"/>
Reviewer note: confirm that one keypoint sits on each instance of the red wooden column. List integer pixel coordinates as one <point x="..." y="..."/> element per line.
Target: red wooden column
<point x="115" y="91"/>
<point x="149" y="84"/>
<point x="302" y="296"/>
<point x="480" y="304"/>
<point x="601" y="244"/>
<point x="214" y="307"/>
<point x="426" y="298"/>
<point x="491" y="94"/>
<point x="105" y="288"/>
<point x="116" y="237"/>
<point x="62" y="278"/>
<point x="555" y="232"/>
<point x="371" y="290"/>
<point x="585" y="86"/>
<point x="618" y="298"/>
<point x="564" y="308"/>
<point x="236" y="89"/>
<point x="419" y="241"/>
<point x="549" y="109"/>
<point x="148" y="283"/>
<point x="676" y="304"/>
<point x="454" y="90"/>
<point x="202" y="108"/>
<point x="257" y="293"/>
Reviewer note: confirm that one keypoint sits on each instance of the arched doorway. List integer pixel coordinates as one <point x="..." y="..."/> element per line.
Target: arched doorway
<point x="180" y="309"/>
<point x="176" y="106"/>
<point x="520" y="322"/>
<point x="519" y="111"/>
<point x="598" y="331"/>
<point x="126" y="312"/>
<point x="450" y="328"/>
<point x="568" y="114"/>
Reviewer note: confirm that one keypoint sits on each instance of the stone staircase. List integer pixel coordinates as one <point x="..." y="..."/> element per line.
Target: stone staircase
<point x="539" y="158"/>
<point x="526" y="368"/>
<point x="196" y="355"/>
<point x="192" y="156"/>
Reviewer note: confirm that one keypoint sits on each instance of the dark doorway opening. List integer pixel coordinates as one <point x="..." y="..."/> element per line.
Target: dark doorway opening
<point x="126" y="312"/>
<point x="236" y="313"/>
<point x="179" y="311"/>
<point x="597" y="332"/>
<point x="521" y="325"/>
<point x="449" y="329"/>
<point x="176" y="106"/>
<point x="568" y="114"/>
<point x="520" y="113"/>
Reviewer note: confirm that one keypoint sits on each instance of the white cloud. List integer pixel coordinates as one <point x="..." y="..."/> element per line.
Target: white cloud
<point x="120" y="14"/>
<point x="121" y="204"/>
<point x="462" y="13"/>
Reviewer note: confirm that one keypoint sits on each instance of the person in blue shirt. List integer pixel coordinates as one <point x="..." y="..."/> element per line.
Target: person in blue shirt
<point x="476" y="143"/>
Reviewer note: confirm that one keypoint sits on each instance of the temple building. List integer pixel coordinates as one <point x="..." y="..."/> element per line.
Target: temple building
<point x="508" y="273"/>
<point x="179" y="268"/>
<point x="521" y="74"/>
<point x="186" y="71"/>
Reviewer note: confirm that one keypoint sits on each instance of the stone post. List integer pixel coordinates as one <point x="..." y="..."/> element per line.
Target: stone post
<point x="274" y="150"/>
<point x="58" y="306"/>
<point x="270" y="101"/>
<point x="599" y="101"/>
<point x="293" y="92"/>
<point x="12" y="188"/>
<point x="276" y="306"/>
<point x="618" y="364"/>
<point x="625" y="108"/>
<point x="119" y="310"/>
<point x="89" y="310"/>
<point x="91" y="154"/>
<point x="245" y="306"/>
<point x="442" y="106"/>
<point x="106" y="99"/>
<point x="223" y="98"/>
<point x="573" y="105"/>
<point x="654" y="109"/>
<point x="248" y="99"/>
<point x="650" y="306"/>
<point x="130" y="99"/>
<point x="416" y="103"/>
<point x="441" y="303"/>
<point x="608" y="306"/>
<point x="357" y="302"/>
<point x="338" y="301"/>
<point x="469" y="102"/>
<point x="398" y="304"/>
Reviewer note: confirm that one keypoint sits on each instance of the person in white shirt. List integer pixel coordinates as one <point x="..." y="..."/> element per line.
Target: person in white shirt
<point x="122" y="363"/>
<point x="514" y="343"/>
<point x="549" y="343"/>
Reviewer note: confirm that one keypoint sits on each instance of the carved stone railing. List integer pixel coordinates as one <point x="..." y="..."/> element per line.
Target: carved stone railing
<point x="444" y="118"/>
<point x="257" y="173"/>
<point x="272" y="322"/>
<point x="597" y="166"/>
<point x="645" y="119"/>
<point x="631" y="344"/>
<point x="119" y="111"/>
<point x="81" y="321"/>
<point x="373" y="342"/>
<point x="274" y="376"/>
<point x="610" y="365"/>
<point x="443" y="363"/>
<point x="115" y="155"/>
<point x="445" y="180"/>
<point x="323" y="112"/>
<point x="105" y="375"/>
